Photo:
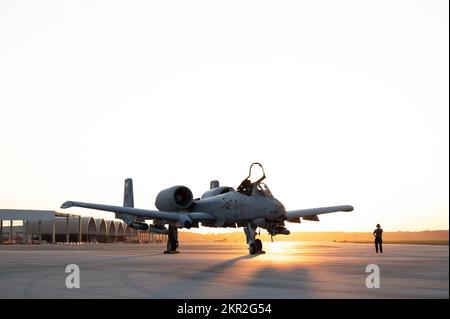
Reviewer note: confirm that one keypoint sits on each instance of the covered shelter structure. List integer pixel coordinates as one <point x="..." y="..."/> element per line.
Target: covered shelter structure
<point x="38" y="226"/>
<point x="120" y="231"/>
<point x="112" y="231"/>
<point x="102" y="230"/>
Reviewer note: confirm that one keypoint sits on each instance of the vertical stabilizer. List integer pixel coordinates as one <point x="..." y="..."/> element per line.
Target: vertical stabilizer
<point x="128" y="199"/>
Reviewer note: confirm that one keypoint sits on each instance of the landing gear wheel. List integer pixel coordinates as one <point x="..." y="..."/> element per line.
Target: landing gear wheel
<point x="258" y="244"/>
<point x="254" y="245"/>
<point x="252" y="248"/>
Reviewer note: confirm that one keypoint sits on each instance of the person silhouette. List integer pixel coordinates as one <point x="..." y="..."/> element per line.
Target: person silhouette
<point x="378" y="233"/>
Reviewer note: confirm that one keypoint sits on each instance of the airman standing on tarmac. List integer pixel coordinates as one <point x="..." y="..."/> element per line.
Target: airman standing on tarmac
<point x="378" y="233"/>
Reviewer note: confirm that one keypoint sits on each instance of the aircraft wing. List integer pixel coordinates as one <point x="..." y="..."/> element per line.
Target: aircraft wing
<point x="148" y="214"/>
<point x="311" y="213"/>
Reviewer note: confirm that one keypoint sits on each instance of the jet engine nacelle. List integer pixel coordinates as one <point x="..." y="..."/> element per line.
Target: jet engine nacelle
<point x="174" y="199"/>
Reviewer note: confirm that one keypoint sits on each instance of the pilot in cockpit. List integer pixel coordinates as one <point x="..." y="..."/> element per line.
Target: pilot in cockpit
<point x="245" y="187"/>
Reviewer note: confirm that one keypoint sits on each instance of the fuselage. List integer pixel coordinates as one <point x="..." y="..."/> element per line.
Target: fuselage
<point x="234" y="207"/>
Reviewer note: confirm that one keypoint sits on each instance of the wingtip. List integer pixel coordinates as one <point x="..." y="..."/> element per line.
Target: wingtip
<point x="67" y="204"/>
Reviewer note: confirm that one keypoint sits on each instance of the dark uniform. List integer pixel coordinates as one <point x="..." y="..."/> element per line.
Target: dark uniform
<point x="378" y="233"/>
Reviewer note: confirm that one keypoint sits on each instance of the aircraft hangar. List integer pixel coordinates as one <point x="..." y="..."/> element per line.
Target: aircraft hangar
<point x="41" y="226"/>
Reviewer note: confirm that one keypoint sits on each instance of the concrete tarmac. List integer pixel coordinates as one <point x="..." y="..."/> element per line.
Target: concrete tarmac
<point x="224" y="270"/>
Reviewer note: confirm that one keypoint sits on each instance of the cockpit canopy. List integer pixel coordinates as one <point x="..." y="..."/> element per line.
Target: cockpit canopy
<point x="247" y="187"/>
<point x="257" y="188"/>
<point x="261" y="189"/>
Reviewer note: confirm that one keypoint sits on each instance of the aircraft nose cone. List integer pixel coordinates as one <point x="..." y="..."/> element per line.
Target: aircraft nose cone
<point x="279" y="209"/>
<point x="282" y="209"/>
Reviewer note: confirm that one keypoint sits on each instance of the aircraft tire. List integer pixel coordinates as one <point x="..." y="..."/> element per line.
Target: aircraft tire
<point x="252" y="249"/>
<point x="258" y="244"/>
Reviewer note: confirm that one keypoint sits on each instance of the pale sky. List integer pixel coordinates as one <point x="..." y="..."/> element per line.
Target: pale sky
<point x="343" y="102"/>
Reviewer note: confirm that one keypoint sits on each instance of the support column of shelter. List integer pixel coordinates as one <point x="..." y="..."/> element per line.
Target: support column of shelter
<point x="10" y="230"/>
<point x="40" y="231"/>
<point x="79" y="229"/>
<point x="24" y="231"/>
<point x="53" y="231"/>
<point x="67" y="229"/>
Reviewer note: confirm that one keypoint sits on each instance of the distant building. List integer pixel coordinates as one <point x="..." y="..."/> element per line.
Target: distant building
<point x="51" y="227"/>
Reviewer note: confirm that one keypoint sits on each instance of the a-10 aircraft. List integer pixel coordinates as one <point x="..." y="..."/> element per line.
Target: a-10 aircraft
<point x="251" y="205"/>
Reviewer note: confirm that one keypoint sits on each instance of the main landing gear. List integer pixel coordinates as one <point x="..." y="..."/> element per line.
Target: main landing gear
<point x="172" y="241"/>
<point x="254" y="245"/>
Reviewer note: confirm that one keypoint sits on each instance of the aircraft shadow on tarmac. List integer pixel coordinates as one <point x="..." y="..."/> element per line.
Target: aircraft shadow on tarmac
<point x="233" y="278"/>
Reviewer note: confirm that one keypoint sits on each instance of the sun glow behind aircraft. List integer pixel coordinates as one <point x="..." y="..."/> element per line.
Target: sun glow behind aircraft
<point x="343" y="101"/>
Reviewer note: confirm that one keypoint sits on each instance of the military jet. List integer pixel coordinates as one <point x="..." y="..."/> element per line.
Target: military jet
<point x="250" y="206"/>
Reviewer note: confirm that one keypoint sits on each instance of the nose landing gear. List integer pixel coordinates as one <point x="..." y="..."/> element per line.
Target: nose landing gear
<point x="254" y="245"/>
